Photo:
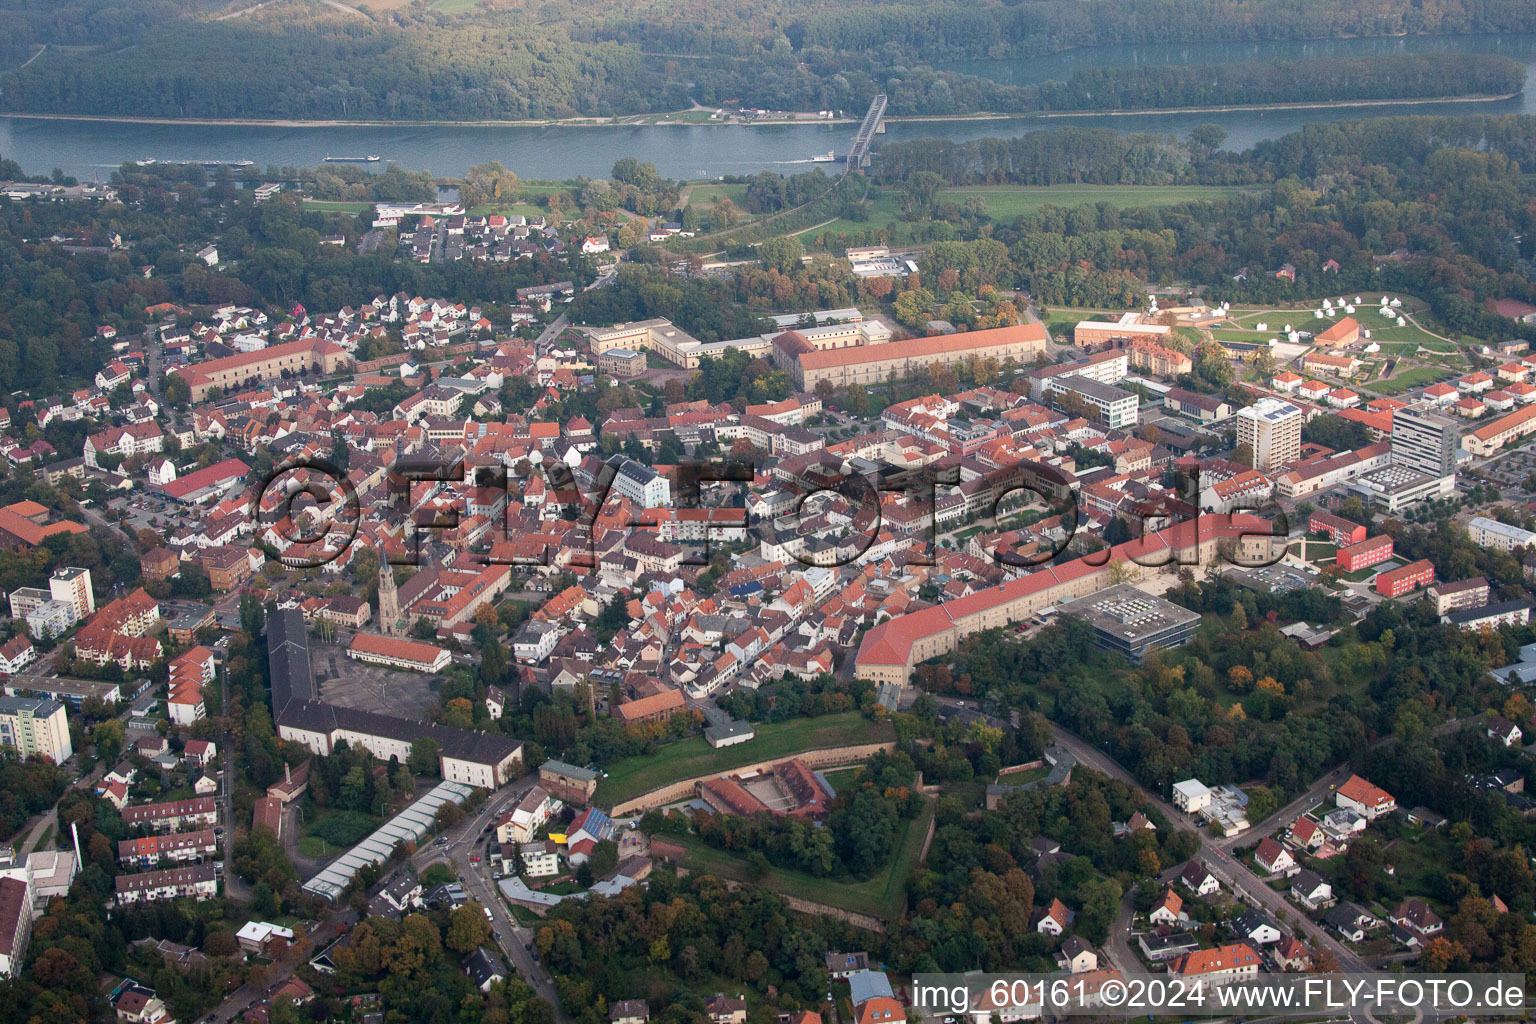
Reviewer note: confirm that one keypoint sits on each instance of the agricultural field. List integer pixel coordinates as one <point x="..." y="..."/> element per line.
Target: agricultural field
<point x="333" y="206"/>
<point x="1004" y="202"/>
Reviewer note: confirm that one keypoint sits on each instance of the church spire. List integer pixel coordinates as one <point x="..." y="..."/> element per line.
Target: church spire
<point x="389" y="597"/>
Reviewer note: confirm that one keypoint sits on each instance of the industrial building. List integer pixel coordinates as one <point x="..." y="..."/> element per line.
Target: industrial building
<point x="411" y="825"/>
<point x="1129" y="621"/>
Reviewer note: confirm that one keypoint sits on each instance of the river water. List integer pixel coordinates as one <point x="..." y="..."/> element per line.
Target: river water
<point x="91" y="149"/>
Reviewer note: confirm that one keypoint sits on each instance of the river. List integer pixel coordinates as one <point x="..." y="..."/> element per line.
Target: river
<point x="91" y="149"/>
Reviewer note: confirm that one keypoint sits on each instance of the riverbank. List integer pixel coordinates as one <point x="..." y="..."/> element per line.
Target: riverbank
<point x="588" y="122"/>
<point x="572" y="122"/>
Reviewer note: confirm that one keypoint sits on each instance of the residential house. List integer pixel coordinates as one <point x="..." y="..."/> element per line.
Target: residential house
<point x="1076" y="956"/>
<point x="1311" y="889"/>
<point x="1273" y="857"/>
<point x="1169" y="909"/>
<point x="1198" y="879"/>
<point x="1055" y="919"/>
<point x="1255" y="928"/>
<point x="1370" y="801"/>
<point x="1415" y="915"/>
<point x="629" y="1011"/>
<point x="843" y="965"/>
<point x="723" y="1009"/>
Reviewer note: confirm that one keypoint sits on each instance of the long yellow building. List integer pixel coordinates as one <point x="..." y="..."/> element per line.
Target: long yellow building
<point x="871" y="364"/>
<point x="891" y="650"/>
<point x="269" y="363"/>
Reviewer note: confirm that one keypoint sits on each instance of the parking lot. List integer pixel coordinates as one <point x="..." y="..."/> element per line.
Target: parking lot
<point x="1510" y="469"/>
<point x="354" y="684"/>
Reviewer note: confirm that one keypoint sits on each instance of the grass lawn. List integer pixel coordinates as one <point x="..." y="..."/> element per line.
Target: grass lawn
<point x="841" y="779"/>
<point x="1319" y="552"/>
<point x="330" y="831"/>
<point x="334" y="206"/>
<point x="1020" y="778"/>
<point x="1005" y="202"/>
<point x="45" y="841"/>
<point x="692" y="757"/>
<point x="316" y="848"/>
<point x="506" y="209"/>
<point x="1416" y="377"/>
<point x="704" y="197"/>
<point x="883" y="211"/>
<point x="1421" y="857"/>
<point x="882" y="896"/>
<point x="454" y="6"/>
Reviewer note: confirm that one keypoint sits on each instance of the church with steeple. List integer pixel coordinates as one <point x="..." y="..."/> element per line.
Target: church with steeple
<point x="389" y="598"/>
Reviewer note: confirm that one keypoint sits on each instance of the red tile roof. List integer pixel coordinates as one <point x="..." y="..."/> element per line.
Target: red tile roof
<point x="1237" y="956"/>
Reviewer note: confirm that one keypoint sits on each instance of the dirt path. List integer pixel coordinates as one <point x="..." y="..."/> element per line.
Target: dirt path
<point x="40" y="51"/>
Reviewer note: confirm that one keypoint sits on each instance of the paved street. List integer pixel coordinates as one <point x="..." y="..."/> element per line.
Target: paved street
<point x="248" y="995"/>
<point x="463" y="840"/>
<point x="1231" y="872"/>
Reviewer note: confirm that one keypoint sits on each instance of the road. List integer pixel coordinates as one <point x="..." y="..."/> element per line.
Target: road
<point x="1230" y="871"/>
<point x="248" y="995"/>
<point x="97" y="519"/>
<point x="547" y="336"/>
<point x="464" y="841"/>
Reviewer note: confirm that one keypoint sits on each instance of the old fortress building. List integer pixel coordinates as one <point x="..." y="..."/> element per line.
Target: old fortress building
<point x="891" y="650"/>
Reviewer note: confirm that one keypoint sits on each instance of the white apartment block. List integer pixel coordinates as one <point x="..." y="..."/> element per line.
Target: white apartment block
<point x="1272" y="431"/>
<point x="35" y="726"/>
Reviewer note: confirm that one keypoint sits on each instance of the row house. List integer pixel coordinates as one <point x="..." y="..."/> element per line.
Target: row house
<point x="173" y="815"/>
<point x="149" y="851"/>
<point x="195" y="881"/>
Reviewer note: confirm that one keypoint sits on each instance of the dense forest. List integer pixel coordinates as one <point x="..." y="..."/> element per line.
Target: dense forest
<point x="1289" y="81"/>
<point x="1241" y="701"/>
<point x="519" y="59"/>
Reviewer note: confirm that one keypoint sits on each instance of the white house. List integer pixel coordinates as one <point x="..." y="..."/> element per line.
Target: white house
<point x="1077" y="956"/>
<point x="540" y="860"/>
<point x="535" y="641"/>
<point x="1503" y="730"/>
<point x="1311" y="889"/>
<point x="1255" y="928"/>
<point x="1054" y="919"/>
<point x="1369" y="800"/>
<point x="1169" y="909"/>
<point x="520" y="824"/>
<point x="1273" y="857"/>
<point x="1191" y="796"/>
<point x="160" y="472"/>
<point x="1199" y="880"/>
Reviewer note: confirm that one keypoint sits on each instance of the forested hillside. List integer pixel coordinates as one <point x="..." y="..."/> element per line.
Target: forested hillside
<point x="520" y="60"/>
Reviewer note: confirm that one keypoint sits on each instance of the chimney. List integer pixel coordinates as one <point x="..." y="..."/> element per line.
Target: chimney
<point x="287" y="773"/>
<point x="74" y="830"/>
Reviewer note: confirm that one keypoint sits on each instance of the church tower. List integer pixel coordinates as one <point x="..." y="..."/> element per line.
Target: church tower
<point x="389" y="598"/>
